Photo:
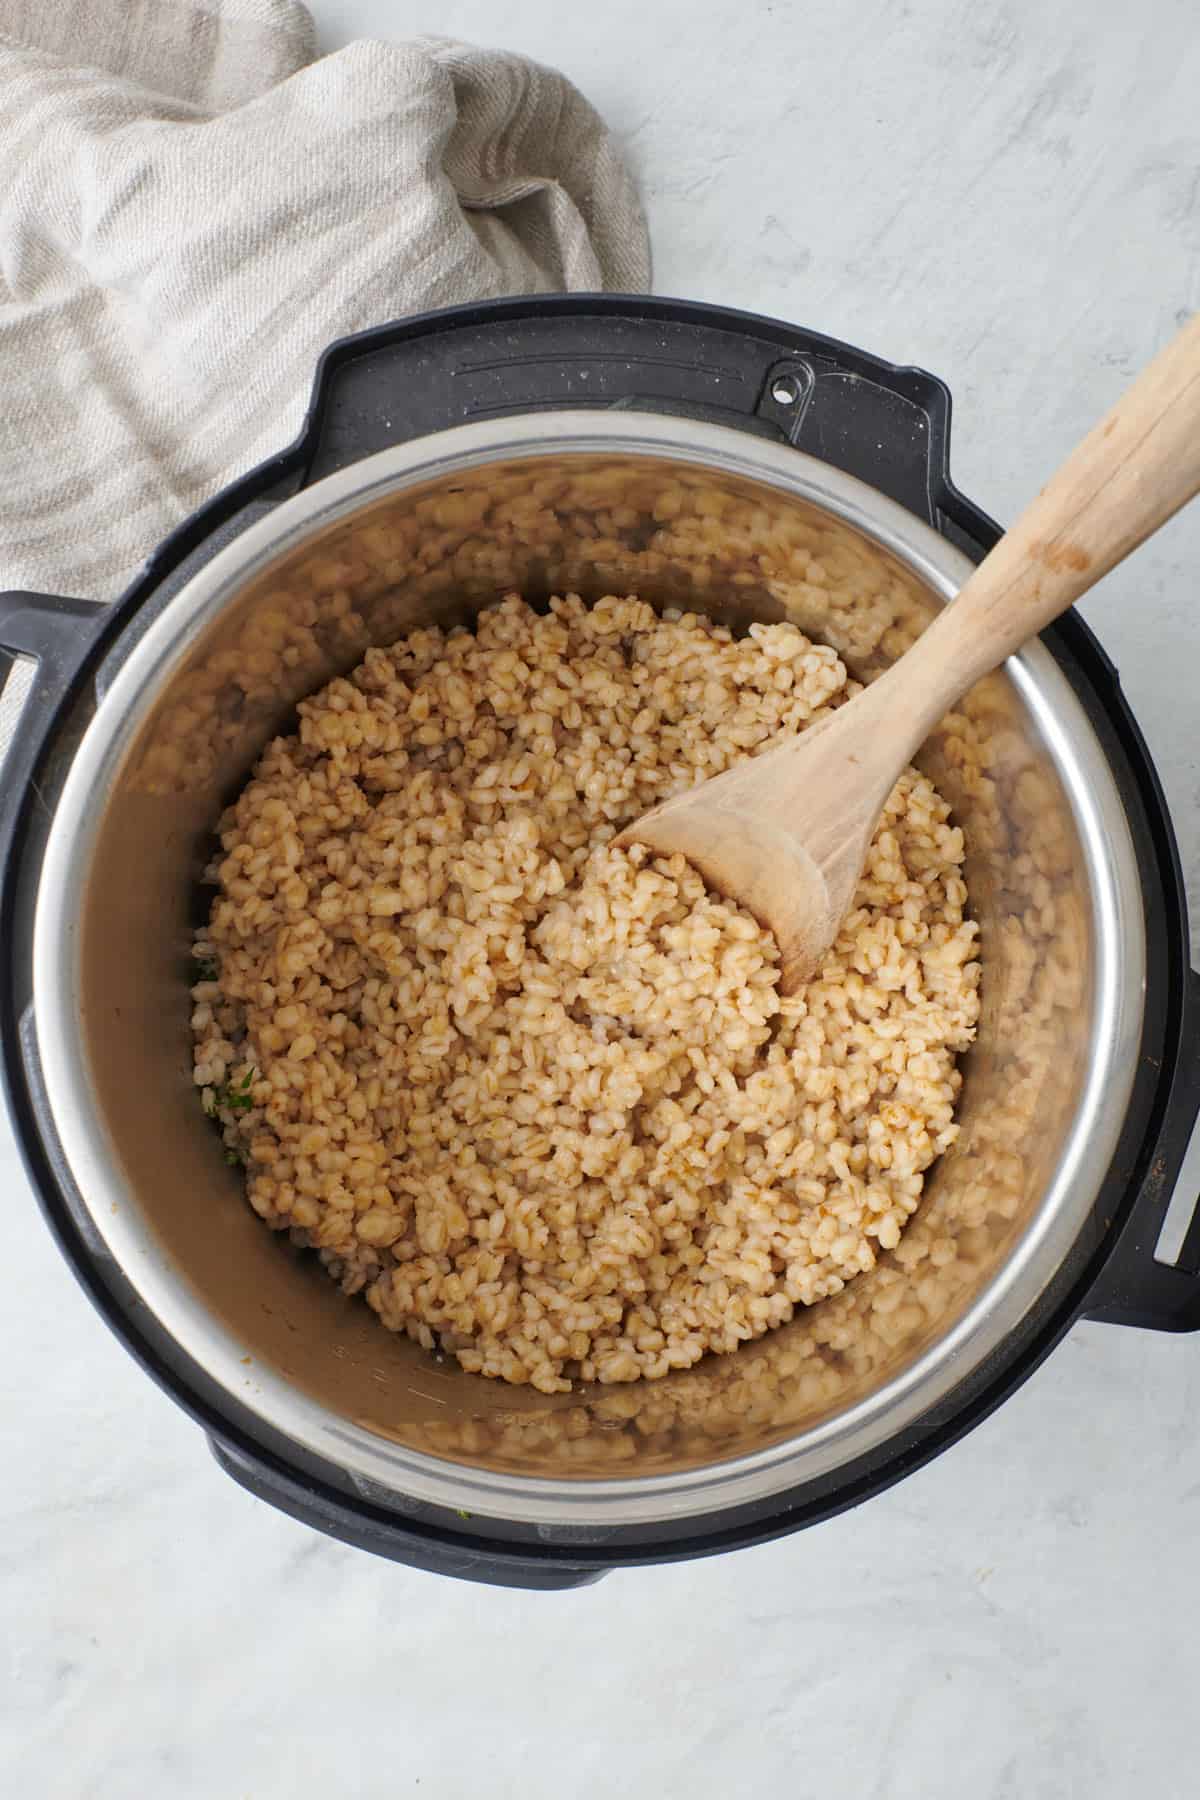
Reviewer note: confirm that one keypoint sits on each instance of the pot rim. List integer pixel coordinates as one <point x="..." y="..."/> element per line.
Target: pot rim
<point x="377" y="1462"/>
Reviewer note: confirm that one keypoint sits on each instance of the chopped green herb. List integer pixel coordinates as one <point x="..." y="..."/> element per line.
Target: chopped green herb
<point x="236" y="1157"/>
<point x="235" y="1096"/>
<point x="462" y="1512"/>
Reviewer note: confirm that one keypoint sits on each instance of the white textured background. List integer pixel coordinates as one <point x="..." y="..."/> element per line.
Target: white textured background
<point x="1009" y="195"/>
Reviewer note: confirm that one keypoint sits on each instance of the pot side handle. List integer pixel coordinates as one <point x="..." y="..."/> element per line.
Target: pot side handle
<point x="44" y="642"/>
<point x="1136" y="1286"/>
<point x="367" y="1528"/>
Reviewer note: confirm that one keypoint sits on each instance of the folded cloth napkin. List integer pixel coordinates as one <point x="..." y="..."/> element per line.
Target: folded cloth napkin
<point x="192" y="207"/>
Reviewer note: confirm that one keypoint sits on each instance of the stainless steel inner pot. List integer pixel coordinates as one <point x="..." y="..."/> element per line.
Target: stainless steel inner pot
<point x="683" y="513"/>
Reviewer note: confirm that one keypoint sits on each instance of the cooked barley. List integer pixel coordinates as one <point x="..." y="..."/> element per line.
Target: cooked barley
<point x="540" y="1098"/>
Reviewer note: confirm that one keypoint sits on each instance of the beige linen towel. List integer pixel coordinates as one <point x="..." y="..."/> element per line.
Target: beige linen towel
<point x="191" y="207"/>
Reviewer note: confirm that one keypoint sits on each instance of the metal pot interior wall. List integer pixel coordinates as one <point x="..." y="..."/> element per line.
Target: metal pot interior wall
<point x="678" y="534"/>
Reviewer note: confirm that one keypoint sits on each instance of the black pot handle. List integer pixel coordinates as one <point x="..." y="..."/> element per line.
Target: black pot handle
<point x="364" y="1527"/>
<point x="884" y="423"/>
<point x="55" y="636"/>
<point x="1135" y="1287"/>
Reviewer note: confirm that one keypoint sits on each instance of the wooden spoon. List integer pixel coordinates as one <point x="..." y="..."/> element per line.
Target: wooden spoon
<point x="786" y="833"/>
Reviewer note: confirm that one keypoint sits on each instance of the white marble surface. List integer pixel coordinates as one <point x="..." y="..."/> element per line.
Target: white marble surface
<point x="1009" y="195"/>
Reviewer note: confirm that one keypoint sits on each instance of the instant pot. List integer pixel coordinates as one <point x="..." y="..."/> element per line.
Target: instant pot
<point x="702" y="458"/>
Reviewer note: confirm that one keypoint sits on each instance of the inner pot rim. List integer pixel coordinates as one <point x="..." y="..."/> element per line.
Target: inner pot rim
<point x="1117" y="998"/>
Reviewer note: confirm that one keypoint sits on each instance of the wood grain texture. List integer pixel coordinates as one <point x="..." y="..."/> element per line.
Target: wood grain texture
<point x="787" y="832"/>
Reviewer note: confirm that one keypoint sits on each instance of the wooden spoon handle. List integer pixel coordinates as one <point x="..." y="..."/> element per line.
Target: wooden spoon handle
<point x="1139" y="465"/>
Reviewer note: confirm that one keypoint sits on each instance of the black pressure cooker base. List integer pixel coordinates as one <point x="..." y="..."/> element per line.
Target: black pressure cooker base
<point x="889" y="427"/>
